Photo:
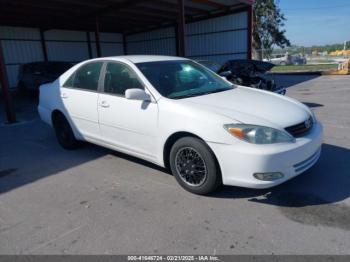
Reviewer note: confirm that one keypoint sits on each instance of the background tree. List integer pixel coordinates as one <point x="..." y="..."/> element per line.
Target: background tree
<point x="268" y="22"/>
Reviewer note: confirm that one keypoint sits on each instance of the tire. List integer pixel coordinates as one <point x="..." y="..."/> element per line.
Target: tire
<point x="194" y="166"/>
<point x="64" y="132"/>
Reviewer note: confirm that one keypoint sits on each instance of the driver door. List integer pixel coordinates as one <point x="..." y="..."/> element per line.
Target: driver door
<point x="129" y="125"/>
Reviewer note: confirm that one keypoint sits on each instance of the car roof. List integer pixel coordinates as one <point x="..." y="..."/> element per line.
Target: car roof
<point x="141" y="58"/>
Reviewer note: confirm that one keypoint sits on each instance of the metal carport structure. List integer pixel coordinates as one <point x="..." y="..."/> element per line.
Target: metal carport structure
<point x="133" y="20"/>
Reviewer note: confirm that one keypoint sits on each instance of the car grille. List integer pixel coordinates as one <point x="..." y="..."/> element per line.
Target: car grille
<point x="301" y="129"/>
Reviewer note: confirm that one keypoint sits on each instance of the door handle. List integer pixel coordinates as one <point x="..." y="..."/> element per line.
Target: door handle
<point x="104" y="104"/>
<point x="64" y="96"/>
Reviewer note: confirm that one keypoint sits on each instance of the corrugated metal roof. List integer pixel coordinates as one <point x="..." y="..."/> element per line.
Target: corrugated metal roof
<point x="114" y="15"/>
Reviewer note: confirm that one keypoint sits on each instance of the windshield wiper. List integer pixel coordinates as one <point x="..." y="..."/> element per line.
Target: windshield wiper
<point x="186" y="96"/>
<point x="215" y="91"/>
<point x="201" y="94"/>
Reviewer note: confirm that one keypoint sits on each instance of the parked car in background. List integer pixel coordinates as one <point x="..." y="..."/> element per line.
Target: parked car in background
<point x="278" y="59"/>
<point x="251" y="73"/>
<point x="32" y="75"/>
<point x="213" y="66"/>
<point x="178" y="114"/>
<point x="287" y="59"/>
<point x="298" y="59"/>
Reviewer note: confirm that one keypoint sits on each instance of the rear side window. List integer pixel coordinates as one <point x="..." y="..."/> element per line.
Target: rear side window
<point x="86" y="77"/>
<point x="119" y="78"/>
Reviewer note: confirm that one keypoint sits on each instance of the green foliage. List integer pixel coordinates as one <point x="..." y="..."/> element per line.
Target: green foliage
<point x="329" y="48"/>
<point x="268" y="21"/>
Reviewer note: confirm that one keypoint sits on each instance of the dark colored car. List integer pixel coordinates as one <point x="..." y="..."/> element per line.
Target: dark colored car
<point x="213" y="66"/>
<point x="32" y="75"/>
<point x="250" y="73"/>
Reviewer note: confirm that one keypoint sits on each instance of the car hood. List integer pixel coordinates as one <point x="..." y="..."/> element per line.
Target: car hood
<point x="252" y="106"/>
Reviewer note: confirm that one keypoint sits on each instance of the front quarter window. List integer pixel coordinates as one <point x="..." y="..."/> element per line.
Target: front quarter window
<point x="182" y="79"/>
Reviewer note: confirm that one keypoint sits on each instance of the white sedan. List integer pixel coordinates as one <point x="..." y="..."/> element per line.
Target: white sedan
<point x="178" y="114"/>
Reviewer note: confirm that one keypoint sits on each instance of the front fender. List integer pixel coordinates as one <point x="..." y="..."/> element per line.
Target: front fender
<point x="208" y="126"/>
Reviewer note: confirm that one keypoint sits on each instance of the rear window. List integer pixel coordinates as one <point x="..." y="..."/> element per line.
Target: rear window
<point x="86" y="77"/>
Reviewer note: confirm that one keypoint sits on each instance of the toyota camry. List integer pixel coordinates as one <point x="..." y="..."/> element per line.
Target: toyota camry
<point x="180" y="115"/>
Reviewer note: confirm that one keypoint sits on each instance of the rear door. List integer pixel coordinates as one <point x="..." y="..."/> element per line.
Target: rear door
<point x="80" y="96"/>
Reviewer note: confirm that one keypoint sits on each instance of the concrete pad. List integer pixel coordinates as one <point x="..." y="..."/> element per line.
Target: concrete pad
<point x="96" y="201"/>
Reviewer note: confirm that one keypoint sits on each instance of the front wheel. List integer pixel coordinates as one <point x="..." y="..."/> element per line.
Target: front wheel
<point x="194" y="166"/>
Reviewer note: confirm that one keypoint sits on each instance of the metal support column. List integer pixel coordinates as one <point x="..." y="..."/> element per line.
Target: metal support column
<point x="43" y="44"/>
<point x="97" y="38"/>
<point x="125" y="45"/>
<point x="250" y="32"/>
<point x="88" y="38"/>
<point x="10" y="112"/>
<point x="180" y="34"/>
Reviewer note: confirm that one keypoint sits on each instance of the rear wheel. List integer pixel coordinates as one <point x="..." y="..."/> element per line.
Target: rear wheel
<point x="194" y="166"/>
<point x="64" y="132"/>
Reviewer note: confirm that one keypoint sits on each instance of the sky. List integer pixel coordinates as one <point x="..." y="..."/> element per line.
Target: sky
<point x="316" y="22"/>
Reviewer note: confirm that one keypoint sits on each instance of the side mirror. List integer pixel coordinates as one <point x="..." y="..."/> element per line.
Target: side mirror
<point x="137" y="94"/>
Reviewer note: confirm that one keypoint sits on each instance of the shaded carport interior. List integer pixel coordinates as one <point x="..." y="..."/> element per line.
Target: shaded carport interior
<point x="125" y="17"/>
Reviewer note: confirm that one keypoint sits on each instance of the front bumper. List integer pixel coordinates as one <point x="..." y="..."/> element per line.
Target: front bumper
<point x="240" y="161"/>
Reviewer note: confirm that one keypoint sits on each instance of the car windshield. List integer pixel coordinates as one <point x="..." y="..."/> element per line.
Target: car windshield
<point x="215" y="67"/>
<point x="182" y="79"/>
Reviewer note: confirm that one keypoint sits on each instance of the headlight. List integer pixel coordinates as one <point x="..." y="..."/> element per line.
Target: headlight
<point x="258" y="134"/>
